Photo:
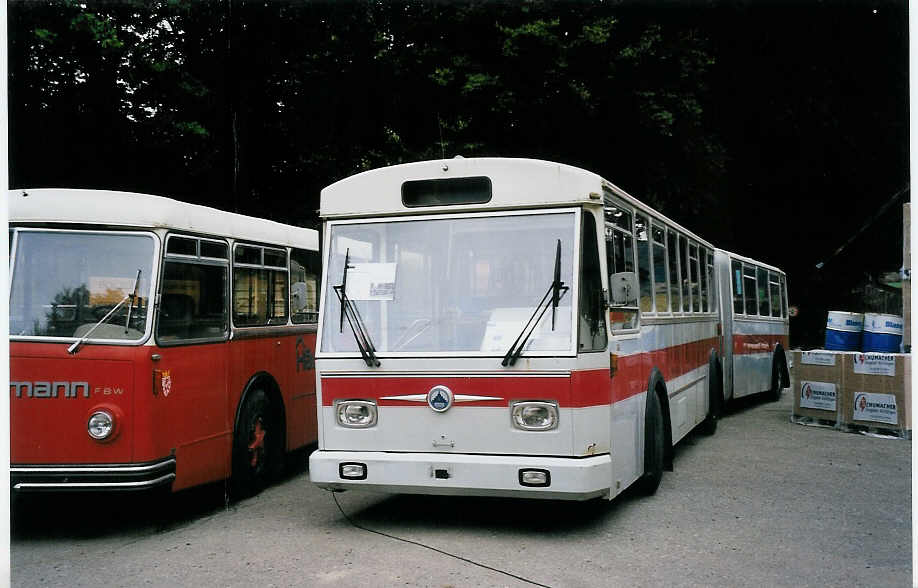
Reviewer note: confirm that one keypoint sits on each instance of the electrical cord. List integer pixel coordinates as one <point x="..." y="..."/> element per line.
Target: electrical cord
<point x="440" y="551"/>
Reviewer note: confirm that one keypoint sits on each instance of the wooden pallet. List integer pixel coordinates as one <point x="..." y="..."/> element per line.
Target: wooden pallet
<point x="813" y="421"/>
<point x="875" y="430"/>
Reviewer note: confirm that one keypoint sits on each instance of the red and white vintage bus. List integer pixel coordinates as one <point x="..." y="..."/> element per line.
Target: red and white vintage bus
<point x="155" y="343"/>
<point x="516" y="327"/>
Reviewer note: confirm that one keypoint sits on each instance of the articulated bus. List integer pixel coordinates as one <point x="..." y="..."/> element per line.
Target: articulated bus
<point x="156" y="344"/>
<point x="514" y="327"/>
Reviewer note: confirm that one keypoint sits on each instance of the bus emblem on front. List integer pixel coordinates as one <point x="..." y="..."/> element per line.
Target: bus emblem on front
<point x="440" y="398"/>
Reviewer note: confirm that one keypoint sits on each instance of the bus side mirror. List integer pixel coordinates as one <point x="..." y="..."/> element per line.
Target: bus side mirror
<point x="623" y="288"/>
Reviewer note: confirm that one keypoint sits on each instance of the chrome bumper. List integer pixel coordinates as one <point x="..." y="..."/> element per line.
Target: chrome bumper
<point x="92" y="477"/>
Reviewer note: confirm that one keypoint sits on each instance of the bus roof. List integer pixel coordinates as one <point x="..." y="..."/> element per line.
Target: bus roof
<point x="515" y="183"/>
<point x="56" y="206"/>
<point x="739" y="257"/>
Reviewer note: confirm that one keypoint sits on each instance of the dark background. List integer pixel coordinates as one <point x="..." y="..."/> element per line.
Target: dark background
<point x="778" y="130"/>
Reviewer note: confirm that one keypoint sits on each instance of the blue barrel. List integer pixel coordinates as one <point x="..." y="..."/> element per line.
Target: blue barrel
<point x="843" y="330"/>
<point x="883" y="333"/>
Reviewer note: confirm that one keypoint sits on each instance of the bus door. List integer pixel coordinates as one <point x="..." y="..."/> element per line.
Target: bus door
<point x="190" y="376"/>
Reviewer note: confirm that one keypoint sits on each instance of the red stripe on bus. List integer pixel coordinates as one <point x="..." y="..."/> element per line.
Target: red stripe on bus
<point x="750" y="344"/>
<point x="584" y="387"/>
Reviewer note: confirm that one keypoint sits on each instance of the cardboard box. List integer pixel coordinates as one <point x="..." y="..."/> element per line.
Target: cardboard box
<point x="876" y="392"/>
<point x="817" y="385"/>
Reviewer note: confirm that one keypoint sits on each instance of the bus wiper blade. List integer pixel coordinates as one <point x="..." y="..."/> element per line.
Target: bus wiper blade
<point x="79" y="342"/>
<point x="557" y="290"/>
<point x="355" y="321"/>
<point x="127" y="323"/>
<point x="343" y="294"/>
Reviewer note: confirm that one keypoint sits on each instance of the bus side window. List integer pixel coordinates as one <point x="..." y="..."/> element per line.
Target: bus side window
<point x="660" y="287"/>
<point x="763" y="292"/>
<point x="749" y="289"/>
<point x="693" y="276"/>
<point x="193" y="298"/>
<point x="783" y="297"/>
<point x="304" y="286"/>
<point x="674" y="288"/>
<point x="593" y="335"/>
<point x="775" y="291"/>
<point x="623" y="295"/>
<point x="686" y="291"/>
<point x="737" y="282"/>
<point x="642" y="235"/>
<point x="259" y="286"/>
<point x="702" y="261"/>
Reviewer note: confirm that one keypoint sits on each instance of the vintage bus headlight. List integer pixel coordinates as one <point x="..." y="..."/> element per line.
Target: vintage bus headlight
<point x="356" y="414"/>
<point x="534" y="416"/>
<point x="101" y="425"/>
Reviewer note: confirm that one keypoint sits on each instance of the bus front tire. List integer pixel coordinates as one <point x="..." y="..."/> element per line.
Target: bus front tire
<point x="256" y="446"/>
<point x="653" y="447"/>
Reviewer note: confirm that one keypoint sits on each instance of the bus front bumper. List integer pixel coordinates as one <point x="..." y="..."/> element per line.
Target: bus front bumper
<point x="92" y="477"/>
<point x="566" y="478"/>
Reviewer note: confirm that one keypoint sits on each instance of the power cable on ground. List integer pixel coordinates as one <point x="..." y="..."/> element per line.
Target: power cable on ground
<point x="440" y="551"/>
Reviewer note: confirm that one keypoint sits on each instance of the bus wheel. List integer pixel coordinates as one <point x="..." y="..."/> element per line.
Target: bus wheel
<point x="255" y="446"/>
<point x="653" y="446"/>
<point x="715" y="399"/>
<point x="777" y="381"/>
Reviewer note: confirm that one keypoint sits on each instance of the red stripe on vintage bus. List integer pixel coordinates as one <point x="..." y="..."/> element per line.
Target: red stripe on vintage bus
<point x="750" y="344"/>
<point x="583" y="388"/>
<point x="633" y="374"/>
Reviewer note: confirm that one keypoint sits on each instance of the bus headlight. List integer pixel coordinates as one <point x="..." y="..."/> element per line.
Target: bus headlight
<point x="101" y="425"/>
<point x="534" y="416"/>
<point x="355" y="414"/>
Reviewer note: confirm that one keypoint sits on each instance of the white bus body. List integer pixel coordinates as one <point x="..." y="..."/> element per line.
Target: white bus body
<point x="427" y="380"/>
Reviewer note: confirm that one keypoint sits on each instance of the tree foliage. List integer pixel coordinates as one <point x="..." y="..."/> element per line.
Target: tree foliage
<point x="255" y="106"/>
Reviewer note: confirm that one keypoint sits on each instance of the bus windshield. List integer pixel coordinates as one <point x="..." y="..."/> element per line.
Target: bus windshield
<point x="447" y="285"/>
<point x="65" y="282"/>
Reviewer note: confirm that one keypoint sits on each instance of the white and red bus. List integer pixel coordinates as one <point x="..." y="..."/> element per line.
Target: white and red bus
<point x="155" y="343"/>
<point x="512" y="327"/>
<point x="755" y="325"/>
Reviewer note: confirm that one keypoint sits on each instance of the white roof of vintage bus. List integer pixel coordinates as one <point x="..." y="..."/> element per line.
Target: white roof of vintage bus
<point x="750" y="260"/>
<point x="50" y="206"/>
<point x="516" y="183"/>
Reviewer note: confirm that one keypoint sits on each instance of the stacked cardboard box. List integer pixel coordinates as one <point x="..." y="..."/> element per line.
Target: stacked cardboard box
<point x="853" y="391"/>
<point x="818" y="382"/>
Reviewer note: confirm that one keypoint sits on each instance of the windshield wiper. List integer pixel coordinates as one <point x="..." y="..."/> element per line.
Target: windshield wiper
<point x="134" y="297"/>
<point x="354" y="320"/>
<point x="79" y="342"/>
<point x="557" y="290"/>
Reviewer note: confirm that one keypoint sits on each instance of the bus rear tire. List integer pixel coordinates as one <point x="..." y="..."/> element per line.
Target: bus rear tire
<point x="777" y="380"/>
<point x="654" y="439"/>
<point x="715" y="399"/>
<point x="257" y="452"/>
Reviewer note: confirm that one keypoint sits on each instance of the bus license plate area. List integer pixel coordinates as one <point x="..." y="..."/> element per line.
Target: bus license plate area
<point x="441" y="472"/>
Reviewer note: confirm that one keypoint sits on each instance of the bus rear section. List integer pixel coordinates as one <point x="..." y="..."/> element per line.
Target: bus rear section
<point x="465" y="343"/>
<point x="755" y="326"/>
